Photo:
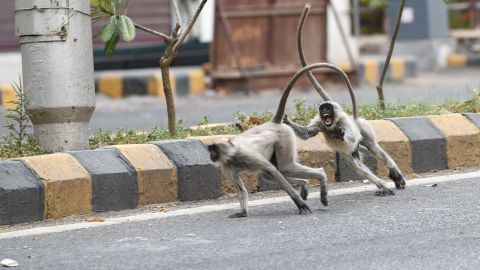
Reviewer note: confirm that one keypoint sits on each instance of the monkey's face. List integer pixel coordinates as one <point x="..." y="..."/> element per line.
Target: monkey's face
<point x="327" y="113"/>
<point x="214" y="152"/>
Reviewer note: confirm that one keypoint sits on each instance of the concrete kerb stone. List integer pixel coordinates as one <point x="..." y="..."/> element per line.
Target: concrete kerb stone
<point x="68" y="188"/>
<point x="463" y="59"/>
<point x="21" y="194"/>
<point x="114" y="183"/>
<point x="427" y="143"/>
<point x="462" y="138"/>
<point x="197" y="178"/>
<point x="156" y="173"/>
<point x="474" y="118"/>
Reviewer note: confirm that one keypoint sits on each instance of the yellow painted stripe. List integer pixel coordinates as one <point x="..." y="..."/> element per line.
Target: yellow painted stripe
<point x="463" y="139"/>
<point x="111" y="85"/>
<point x="346" y="66"/>
<point x="8" y="96"/>
<point x="156" y="174"/>
<point x="371" y="70"/>
<point x="397" y="66"/>
<point x="457" y="60"/>
<point x="155" y="85"/>
<point x="197" y="81"/>
<point x="68" y="186"/>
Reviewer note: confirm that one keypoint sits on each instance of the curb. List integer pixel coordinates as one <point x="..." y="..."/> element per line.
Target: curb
<point x="463" y="60"/>
<point x="123" y="84"/>
<point x="370" y="68"/>
<point x="125" y="176"/>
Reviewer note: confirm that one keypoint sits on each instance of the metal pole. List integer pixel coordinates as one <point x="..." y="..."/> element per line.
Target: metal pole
<point x="57" y="60"/>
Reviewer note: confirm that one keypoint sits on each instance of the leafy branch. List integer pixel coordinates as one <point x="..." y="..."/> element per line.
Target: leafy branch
<point x="118" y="24"/>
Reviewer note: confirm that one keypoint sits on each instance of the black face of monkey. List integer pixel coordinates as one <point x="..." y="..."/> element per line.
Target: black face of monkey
<point x="214" y="152"/>
<point x="327" y="113"/>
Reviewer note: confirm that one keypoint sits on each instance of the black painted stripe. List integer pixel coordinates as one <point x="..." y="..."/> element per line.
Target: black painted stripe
<point x="427" y="143"/>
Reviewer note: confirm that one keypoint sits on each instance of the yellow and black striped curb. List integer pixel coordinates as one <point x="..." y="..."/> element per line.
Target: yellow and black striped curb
<point x="118" y="84"/>
<point x="463" y="60"/>
<point x="122" y="84"/>
<point x="125" y="176"/>
<point x="370" y="69"/>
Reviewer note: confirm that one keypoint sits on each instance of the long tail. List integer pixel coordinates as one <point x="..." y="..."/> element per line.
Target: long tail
<point x="277" y="118"/>
<point x="311" y="77"/>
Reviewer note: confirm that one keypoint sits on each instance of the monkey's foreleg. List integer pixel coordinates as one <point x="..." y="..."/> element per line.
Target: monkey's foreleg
<point x="393" y="170"/>
<point x="364" y="171"/>
<point x="303" y="132"/>
<point x="242" y="193"/>
<point x="300" y="171"/>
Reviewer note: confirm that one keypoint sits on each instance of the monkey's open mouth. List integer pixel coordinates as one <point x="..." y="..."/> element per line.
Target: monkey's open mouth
<point x="327" y="119"/>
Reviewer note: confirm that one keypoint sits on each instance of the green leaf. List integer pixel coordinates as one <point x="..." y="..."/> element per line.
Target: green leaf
<point x="111" y="44"/>
<point x="109" y="29"/>
<point x="95" y="2"/>
<point x="127" y="29"/>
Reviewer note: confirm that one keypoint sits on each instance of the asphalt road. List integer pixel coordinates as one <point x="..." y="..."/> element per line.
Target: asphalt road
<point x="423" y="227"/>
<point x="146" y="112"/>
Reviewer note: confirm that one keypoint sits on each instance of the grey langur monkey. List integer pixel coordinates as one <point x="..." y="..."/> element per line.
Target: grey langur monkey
<point x="269" y="149"/>
<point x="343" y="133"/>
<point x="346" y="135"/>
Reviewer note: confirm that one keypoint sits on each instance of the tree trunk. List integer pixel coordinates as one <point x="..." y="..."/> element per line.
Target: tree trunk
<point x="167" y="89"/>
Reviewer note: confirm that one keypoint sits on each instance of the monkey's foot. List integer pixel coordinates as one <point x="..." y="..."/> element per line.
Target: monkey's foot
<point x="324" y="199"/>
<point x="304" y="210"/>
<point x="384" y="192"/>
<point x="397" y="178"/>
<point x="304" y="192"/>
<point x="238" y="215"/>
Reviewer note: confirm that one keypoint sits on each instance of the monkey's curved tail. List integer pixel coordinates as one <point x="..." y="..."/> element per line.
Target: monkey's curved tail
<point x="311" y="77"/>
<point x="277" y="118"/>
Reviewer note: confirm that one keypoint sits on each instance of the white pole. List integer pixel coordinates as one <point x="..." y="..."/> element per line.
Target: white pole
<point x="57" y="60"/>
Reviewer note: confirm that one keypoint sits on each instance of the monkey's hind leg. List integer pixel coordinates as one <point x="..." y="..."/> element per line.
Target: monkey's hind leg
<point x="299" y="171"/>
<point x="242" y="193"/>
<point x="364" y="171"/>
<point x="393" y="170"/>
<point x="272" y="174"/>
<point x="302" y="183"/>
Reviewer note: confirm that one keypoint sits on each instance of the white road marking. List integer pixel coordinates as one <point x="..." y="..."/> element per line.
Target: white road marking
<point x="221" y="207"/>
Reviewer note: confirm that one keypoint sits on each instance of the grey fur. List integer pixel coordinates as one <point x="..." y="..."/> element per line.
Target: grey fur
<point x="345" y="135"/>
